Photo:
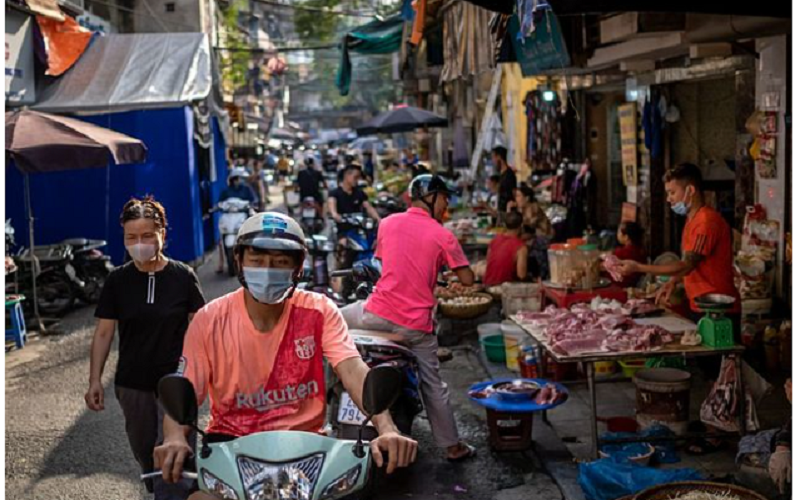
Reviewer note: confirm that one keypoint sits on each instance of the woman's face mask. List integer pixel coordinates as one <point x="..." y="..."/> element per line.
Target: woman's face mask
<point x="269" y="285"/>
<point x="142" y="252"/>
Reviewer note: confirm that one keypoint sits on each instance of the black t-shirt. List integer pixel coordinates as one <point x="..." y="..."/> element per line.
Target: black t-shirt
<point x="309" y="182"/>
<point x="505" y="193"/>
<point x="349" y="203"/>
<point x="152" y="311"/>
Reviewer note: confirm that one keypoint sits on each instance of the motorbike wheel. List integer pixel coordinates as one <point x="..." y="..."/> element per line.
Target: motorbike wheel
<point x="95" y="280"/>
<point x="55" y="294"/>
<point x="230" y="261"/>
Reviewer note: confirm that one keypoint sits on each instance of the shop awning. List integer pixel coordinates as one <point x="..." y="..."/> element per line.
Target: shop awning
<point x="132" y="72"/>
<point x="375" y="37"/>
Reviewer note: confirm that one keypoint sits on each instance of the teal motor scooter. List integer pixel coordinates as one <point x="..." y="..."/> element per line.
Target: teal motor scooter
<point x="281" y="465"/>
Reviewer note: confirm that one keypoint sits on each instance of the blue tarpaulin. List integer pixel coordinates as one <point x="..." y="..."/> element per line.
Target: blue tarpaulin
<point x="87" y="203"/>
<point x="607" y="479"/>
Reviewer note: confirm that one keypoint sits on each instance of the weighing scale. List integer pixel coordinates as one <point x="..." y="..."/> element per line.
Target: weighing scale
<point x="715" y="328"/>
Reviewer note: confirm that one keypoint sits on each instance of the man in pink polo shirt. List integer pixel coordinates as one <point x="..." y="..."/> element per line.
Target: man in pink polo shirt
<point x="413" y="247"/>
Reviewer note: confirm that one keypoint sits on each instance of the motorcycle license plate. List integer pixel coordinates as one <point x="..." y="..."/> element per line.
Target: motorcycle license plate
<point x="309" y="213"/>
<point x="349" y="412"/>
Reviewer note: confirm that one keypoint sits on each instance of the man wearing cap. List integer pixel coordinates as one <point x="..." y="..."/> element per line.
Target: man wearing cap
<point x="413" y="247"/>
<point x="258" y="353"/>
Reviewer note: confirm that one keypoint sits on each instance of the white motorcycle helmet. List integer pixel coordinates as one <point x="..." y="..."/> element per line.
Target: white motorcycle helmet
<point x="240" y="172"/>
<point x="272" y="231"/>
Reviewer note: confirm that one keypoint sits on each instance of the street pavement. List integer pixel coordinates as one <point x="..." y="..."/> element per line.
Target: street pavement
<point x="57" y="449"/>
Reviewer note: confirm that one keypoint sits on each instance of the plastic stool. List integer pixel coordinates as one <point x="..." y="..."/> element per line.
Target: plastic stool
<point x="18" y="333"/>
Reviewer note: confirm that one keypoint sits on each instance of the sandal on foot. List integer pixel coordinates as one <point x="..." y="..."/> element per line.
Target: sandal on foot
<point x="472" y="452"/>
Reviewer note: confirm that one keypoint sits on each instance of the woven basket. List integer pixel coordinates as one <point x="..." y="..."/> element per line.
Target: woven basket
<point x="466" y="312"/>
<point x="673" y="490"/>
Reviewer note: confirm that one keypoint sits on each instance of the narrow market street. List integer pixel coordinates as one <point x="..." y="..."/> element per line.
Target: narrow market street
<point x="551" y="239"/>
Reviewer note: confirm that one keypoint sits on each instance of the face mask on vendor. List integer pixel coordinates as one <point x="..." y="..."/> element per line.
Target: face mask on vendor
<point x="682" y="208"/>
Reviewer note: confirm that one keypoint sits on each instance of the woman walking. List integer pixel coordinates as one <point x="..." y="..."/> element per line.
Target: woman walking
<point x="151" y="301"/>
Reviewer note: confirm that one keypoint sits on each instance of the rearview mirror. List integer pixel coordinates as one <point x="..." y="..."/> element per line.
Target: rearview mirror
<point x="382" y="387"/>
<point x="177" y="396"/>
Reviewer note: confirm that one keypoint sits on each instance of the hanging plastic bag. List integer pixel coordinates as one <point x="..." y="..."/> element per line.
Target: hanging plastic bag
<point x="606" y="479"/>
<point x="721" y="407"/>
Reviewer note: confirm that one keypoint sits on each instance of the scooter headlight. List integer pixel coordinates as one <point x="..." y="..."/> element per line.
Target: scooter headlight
<point x="287" y="481"/>
<point x="342" y="485"/>
<point x="218" y="487"/>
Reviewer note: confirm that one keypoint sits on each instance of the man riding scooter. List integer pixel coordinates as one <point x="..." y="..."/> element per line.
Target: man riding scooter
<point x="235" y="212"/>
<point x="413" y="247"/>
<point x="311" y="182"/>
<point x="238" y="186"/>
<point x="345" y="200"/>
<point x="258" y="353"/>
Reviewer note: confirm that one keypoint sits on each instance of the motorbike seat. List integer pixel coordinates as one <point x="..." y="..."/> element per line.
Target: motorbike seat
<point x="381" y="334"/>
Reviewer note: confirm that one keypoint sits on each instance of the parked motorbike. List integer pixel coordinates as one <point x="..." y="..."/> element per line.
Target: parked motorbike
<point x="92" y="267"/>
<point x="282" y="464"/>
<point x="235" y="212"/>
<point x="57" y="282"/>
<point x="376" y="348"/>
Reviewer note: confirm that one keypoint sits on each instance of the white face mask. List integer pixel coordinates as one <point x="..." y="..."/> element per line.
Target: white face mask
<point x="142" y="252"/>
<point x="269" y="285"/>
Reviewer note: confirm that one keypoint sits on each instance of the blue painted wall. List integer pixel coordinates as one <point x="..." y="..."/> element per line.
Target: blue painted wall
<point x="87" y="203"/>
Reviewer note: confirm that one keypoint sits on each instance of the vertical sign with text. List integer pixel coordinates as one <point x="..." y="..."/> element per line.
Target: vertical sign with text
<point x="630" y="158"/>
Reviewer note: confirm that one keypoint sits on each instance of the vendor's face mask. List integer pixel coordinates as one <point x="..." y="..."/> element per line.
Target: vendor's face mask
<point x="269" y="285"/>
<point x="142" y="252"/>
<point x="682" y="208"/>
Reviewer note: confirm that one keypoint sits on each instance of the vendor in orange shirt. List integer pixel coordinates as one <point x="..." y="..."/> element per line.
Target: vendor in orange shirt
<point x="507" y="259"/>
<point x="707" y="264"/>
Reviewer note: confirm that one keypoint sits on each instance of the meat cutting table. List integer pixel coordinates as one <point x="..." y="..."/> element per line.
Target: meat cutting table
<point x="675" y="349"/>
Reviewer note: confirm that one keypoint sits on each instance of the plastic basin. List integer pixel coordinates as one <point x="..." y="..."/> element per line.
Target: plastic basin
<point x="495" y="348"/>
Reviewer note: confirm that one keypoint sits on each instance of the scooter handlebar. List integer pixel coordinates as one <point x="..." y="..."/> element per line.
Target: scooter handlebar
<point x="342" y="273"/>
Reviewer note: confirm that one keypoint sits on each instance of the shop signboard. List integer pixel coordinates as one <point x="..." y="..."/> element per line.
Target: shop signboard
<point x="542" y="50"/>
<point x="20" y="87"/>
<point x="95" y="24"/>
<point x="630" y="158"/>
